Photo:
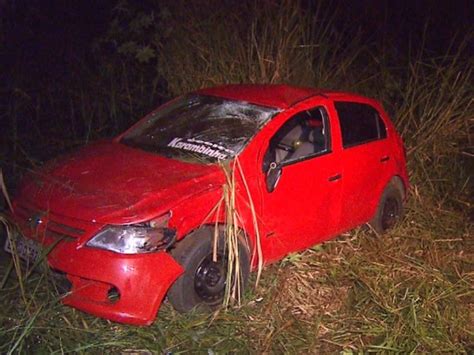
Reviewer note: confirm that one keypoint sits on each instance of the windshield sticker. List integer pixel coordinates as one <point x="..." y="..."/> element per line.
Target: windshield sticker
<point x="202" y="147"/>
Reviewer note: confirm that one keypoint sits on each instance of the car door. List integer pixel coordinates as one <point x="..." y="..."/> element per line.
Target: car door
<point x="301" y="203"/>
<point x="366" y="161"/>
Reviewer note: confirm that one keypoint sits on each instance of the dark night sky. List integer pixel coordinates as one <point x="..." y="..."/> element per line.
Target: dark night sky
<point x="405" y="20"/>
<point x="42" y="32"/>
<point x="43" y="37"/>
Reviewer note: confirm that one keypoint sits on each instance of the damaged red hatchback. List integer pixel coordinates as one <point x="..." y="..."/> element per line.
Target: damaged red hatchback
<point x="130" y="220"/>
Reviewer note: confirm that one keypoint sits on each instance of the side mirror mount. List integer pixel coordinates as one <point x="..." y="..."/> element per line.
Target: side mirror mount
<point x="273" y="176"/>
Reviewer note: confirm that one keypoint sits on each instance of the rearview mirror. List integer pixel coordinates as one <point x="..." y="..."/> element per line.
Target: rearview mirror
<point x="273" y="176"/>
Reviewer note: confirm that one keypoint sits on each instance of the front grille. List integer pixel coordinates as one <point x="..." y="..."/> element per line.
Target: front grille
<point x="45" y="224"/>
<point x="59" y="228"/>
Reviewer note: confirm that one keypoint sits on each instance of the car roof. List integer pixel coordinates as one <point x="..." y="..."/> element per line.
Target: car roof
<point x="278" y="96"/>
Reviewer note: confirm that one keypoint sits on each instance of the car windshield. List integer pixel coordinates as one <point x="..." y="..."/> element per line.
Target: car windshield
<point x="199" y="128"/>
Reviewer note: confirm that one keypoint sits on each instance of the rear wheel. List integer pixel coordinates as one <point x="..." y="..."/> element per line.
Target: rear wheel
<point x="204" y="281"/>
<point x="389" y="210"/>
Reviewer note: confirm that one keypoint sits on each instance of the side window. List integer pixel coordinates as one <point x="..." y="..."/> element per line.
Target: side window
<point x="304" y="135"/>
<point x="360" y="123"/>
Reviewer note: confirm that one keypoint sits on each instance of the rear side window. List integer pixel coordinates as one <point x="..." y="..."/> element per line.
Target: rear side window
<point x="360" y="123"/>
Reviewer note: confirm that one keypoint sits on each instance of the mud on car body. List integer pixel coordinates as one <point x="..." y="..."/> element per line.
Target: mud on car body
<point x="128" y="219"/>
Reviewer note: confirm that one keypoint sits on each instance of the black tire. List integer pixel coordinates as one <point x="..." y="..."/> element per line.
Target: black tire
<point x="389" y="210"/>
<point x="203" y="283"/>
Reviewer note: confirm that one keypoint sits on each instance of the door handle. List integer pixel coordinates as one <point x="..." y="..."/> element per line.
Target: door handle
<point x="335" y="177"/>
<point x="384" y="159"/>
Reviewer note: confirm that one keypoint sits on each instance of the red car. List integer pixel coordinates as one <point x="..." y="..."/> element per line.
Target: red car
<point x="129" y="221"/>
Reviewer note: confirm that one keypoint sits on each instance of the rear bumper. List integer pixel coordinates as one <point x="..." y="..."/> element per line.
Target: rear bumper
<point x="123" y="288"/>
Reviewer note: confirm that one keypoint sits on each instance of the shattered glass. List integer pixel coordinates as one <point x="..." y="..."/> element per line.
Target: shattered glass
<point x="199" y="128"/>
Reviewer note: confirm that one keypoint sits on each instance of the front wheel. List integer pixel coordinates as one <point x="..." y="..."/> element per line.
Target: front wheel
<point x="389" y="210"/>
<point x="204" y="280"/>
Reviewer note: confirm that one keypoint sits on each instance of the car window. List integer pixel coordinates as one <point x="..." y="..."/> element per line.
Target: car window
<point x="360" y="123"/>
<point x="200" y="129"/>
<point x="304" y="135"/>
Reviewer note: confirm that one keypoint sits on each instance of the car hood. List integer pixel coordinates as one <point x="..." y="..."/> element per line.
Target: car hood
<point x="111" y="183"/>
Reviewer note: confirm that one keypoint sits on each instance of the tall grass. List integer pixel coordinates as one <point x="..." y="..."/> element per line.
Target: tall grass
<point x="410" y="291"/>
<point x="257" y="42"/>
<point x="435" y="116"/>
<point x="235" y="205"/>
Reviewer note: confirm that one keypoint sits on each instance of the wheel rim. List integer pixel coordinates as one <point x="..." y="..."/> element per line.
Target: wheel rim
<point x="210" y="279"/>
<point x="390" y="213"/>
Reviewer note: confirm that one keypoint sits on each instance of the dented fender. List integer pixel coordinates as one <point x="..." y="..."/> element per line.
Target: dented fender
<point x="141" y="281"/>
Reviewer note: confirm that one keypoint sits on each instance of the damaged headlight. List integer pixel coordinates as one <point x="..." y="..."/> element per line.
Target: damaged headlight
<point x="135" y="239"/>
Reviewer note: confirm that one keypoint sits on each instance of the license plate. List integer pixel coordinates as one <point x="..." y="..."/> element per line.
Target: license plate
<point x="26" y="249"/>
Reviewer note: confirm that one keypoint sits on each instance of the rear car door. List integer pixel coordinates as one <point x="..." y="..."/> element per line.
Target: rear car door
<point x="303" y="206"/>
<point x="366" y="160"/>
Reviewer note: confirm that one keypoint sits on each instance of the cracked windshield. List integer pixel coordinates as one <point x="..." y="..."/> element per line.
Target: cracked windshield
<point x="199" y="128"/>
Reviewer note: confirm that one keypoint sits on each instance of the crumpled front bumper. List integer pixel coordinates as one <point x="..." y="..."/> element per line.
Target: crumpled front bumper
<point x="123" y="288"/>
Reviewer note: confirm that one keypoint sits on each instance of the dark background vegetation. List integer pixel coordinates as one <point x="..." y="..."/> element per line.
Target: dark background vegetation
<point x="76" y="71"/>
<point x="79" y="70"/>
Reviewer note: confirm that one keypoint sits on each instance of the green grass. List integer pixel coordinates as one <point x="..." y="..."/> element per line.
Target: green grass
<point x="408" y="291"/>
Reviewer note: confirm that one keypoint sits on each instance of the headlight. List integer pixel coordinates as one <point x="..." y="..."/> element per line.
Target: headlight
<point x="135" y="239"/>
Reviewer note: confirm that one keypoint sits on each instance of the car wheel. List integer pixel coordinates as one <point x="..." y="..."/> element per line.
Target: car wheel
<point x="389" y="210"/>
<point x="203" y="283"/>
